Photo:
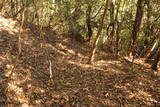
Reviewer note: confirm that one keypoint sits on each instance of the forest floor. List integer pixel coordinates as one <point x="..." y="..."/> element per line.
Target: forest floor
<point x="52" y="71"/>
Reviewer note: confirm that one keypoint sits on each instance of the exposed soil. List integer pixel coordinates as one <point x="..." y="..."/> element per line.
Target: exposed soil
<point x="52" y="71"/>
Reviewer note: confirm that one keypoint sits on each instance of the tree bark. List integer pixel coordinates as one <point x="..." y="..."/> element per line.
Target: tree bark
<point x="136" y="26"/>
<point x="111" y="28"/>
<point x="88" y="22"/>
<point x="118" y="27"/>
<point x="150" y="51"/>
<point x="155" y="63"/>
<point x="91" y="59"/>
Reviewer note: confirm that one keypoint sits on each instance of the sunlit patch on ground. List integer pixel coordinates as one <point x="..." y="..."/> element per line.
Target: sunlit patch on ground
<point x="86" y="65"/>
<point x="15" y="91"/>
<point x="9" y="25"/>
<point x="144" y="96"/>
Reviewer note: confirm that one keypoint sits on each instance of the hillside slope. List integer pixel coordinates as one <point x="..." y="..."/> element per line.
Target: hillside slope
<point x="52" y="70"/>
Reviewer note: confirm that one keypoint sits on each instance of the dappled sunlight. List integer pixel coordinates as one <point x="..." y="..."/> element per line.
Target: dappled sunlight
<point x="140" y="61"/>
<point x="8" y="24"/>
<point x="115" y="66"/>
<point x="39" y="90"/>
<point x="56" y="50"/>
<point x="82" y="56"/>
<point x="106" y="69"/>
<point x="9" y="69"/>
<point x="17" y="94"/>
<point x="88" y="66"/>
<point x="14" y="90"/>
<point x="134" y="95"/>
<point x="2" y="58"/>
<point x="143" y="96"/>
<point x="105" y="62"/>
<point x="63" y="47"/>
<point x="70" y="51"/>
<point x="66" y="40"/>
<point x="53" y="71"/>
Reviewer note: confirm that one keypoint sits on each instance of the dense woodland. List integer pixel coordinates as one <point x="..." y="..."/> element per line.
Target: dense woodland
<point x="79" y="53"/>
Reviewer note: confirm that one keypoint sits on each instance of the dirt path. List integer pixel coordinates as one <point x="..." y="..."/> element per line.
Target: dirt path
<point x="74" y="83"/>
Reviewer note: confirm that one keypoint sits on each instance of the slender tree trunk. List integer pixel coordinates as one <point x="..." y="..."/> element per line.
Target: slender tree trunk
<point x="118" y="27"/>
<point x="150" y="51"/>
<point x="112" y="27"/>
<point x="148" y="32"/>
<point x="88" y="22"/>
<point x="136" y="26"/>
<point x="98" y="34"/>
<point x="155" y="63"/>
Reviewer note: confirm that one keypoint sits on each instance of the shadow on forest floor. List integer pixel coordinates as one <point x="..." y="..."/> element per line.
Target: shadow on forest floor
<point x="109" y="82"/>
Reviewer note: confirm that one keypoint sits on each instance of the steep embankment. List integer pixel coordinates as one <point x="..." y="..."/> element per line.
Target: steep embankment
<point x="46" y="54"/>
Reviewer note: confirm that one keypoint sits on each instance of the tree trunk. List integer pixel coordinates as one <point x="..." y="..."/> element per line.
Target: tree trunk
<point x="136" y="26"/>
<point x="155" y="63"/>
<point x="147" y="32"/>
<point x="111" y="28"/>
<point x="118" y="28"/>
<point x="150" y="51"/>
<point x="88" y="22"/>
<point x="98" y="34"/>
